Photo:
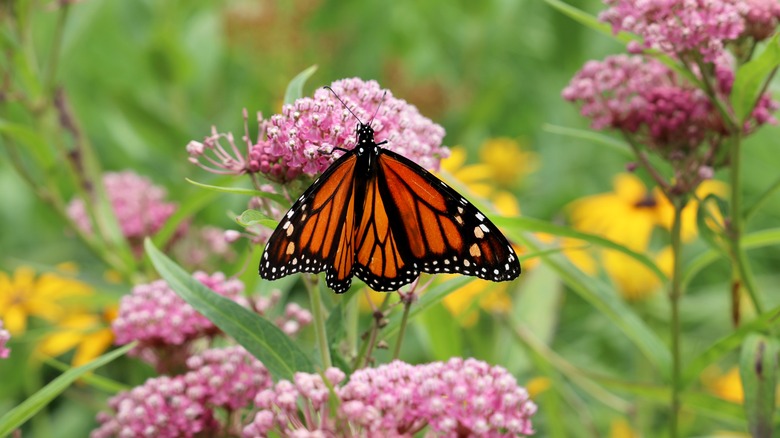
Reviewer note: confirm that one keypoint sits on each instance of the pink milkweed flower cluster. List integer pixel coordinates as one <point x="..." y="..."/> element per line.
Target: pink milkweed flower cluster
<point x="683" y="28"/>
<point x="5" y="336"/>
<point x="302" y="139"/>
<point x="185" y="405"/>
<point x="139" y="206"/>
<point x="159" y="319"/>
<point x="642" y="96"/>
<point x="454" y="398"/>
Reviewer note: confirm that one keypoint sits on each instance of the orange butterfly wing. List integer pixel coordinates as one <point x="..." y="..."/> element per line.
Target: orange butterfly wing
<point x="318" y="232"/>
<point x="413" y="222"/>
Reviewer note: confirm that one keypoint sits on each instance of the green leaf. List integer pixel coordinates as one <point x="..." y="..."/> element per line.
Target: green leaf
<point x="729" y="343"/>
<point x="595" y="137"/>
<point x="758" y="371"/>
<point x="589" y="20"/>
<point x="442" y="333"/>
<point x="13" y="419"/>
<point x="254" y="217"/>
<point x="242" y="191"/>
<point x="260" y="337"/>
<point x="750" y="79"/>
<point x="601" y="296"/>
<point x="519" y="224"/>
<point x="295" y="87"/>
<point x="753" y="240"/>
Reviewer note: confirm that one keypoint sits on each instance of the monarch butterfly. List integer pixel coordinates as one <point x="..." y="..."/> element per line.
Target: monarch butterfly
<point x="381" y="217"/>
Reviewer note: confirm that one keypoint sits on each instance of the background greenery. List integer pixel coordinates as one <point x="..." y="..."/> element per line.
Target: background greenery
<point x="145" y="77"/>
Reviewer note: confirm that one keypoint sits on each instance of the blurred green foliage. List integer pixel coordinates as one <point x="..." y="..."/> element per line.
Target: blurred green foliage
<point x="145" y="77"/>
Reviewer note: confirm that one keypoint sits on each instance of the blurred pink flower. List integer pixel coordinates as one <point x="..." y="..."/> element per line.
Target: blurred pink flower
<point x="678" y="27"/>
<point x="640" y="95"/>
<point x="5" y="336"/>
<point x="158" y="318"/>
<point x="454" y="398"/>
<point x="139" y="206"/>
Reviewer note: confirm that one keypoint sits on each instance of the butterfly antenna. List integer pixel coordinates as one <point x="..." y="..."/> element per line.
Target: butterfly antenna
<point x="342" y="102"/>
<point x="377" y="107"/>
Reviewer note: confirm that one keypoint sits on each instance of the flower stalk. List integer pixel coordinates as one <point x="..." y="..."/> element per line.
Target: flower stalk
<point x="675" y="293"/>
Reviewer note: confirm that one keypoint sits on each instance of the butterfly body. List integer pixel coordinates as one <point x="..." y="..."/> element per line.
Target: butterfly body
<point x="381" y="217"/>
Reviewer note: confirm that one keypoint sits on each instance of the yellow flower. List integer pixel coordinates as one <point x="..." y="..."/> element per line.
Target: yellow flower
<point x="490" y="296"/>
<point x="537" y="386"/>
<point x="629" y="214"/>
<point x="621" y="428"/>
<point x="634" y="280"/>
<point x="90" y="334"/>
<point x="727" y="386"/>
<point x="23" y="295"/>
<point x="626" y="216"/>
<point x="507" y="160"/>
<point x="475" y="176"/>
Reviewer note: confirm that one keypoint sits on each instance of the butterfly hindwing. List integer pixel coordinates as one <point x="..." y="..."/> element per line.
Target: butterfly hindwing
<point x="381" y="260"/>
<point x="317" y="233"/>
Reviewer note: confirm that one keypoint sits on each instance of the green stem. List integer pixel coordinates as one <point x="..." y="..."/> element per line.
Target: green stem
<point x="320" y="331"/>
<point x="49" y="78"/>
<point x="741" y="276"/>
<point x="674" y="298"/>
<point x="402" y="329"/>
<point x="352" y="323"/>
<point x="367" y="347"/>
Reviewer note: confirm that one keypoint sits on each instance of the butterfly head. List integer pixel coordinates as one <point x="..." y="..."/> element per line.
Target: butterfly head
<point x="365" y="134"/>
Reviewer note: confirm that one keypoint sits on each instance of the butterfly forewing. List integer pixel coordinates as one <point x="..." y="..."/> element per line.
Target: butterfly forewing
<point x="318" y="231"/>
<point x="440" y="229"/>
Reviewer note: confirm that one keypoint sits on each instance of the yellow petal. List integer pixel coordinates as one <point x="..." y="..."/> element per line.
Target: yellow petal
<point x="537" y="386"/>
<point x="629" y="187"/>
<point x="634" y="280"/>
<point x="455" y="161"/>
<point x="15" y="319"/>
<point x="727" y="386"/>
<point x="60" y="342"/>
<point x="93" y="346"/>
<point x="507" y="160"/>
<point x="620" y="428"/>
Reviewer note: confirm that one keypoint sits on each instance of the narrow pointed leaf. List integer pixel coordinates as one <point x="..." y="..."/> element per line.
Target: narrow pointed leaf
<point x="17" y="416"/>
<point x="295" y="87"/>
<point x="259" y="336"/>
